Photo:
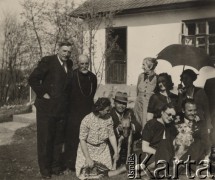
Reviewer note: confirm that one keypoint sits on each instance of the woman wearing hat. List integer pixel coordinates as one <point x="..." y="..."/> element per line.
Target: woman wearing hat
<point x="95" y="131"/>
<point x="189" y="91"/>
<point x="145" y="88"/>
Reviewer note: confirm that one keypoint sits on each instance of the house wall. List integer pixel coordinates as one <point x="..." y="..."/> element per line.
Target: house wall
<point x="149" y="33"/>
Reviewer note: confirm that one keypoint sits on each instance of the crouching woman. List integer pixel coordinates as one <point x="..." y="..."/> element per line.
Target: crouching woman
<point x="95" y="130"/>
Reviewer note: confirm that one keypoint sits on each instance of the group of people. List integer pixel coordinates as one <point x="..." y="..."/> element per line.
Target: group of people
<point x="77" y="134"/>
<point x="63" y="98"/>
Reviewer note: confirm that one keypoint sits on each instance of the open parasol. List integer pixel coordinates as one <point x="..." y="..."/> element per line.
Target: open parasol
<point x="178" y="54"/>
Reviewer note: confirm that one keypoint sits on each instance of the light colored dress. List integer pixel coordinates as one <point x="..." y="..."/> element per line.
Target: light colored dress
<point x="95" y="132"/>
<point x="145" y="89"/>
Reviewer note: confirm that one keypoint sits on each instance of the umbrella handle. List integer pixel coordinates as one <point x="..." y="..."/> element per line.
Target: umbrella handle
<point x="180" y="86"/>
<point x="182" y="72"/>
<point x="183" y="68"/>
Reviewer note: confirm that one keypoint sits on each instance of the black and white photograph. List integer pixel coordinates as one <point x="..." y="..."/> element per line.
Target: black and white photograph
<point x="107" y="89"/>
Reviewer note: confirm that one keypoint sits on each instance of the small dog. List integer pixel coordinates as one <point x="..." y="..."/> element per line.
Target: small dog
<point x="124" y="141"/>
<point x="184" y="138"/>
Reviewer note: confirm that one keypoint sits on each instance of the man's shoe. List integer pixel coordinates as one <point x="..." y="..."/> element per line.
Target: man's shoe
<point x="58" y="173"/>
<point x="46" y="176"/>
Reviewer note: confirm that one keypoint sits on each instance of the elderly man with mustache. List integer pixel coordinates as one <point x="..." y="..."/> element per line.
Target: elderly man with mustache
<point x="83" y="88"/>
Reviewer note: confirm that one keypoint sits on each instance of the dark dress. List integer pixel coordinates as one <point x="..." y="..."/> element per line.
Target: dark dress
<point x="83" y="89"/>
<point x="160" y="137"/>
<point x="157" y="101"/>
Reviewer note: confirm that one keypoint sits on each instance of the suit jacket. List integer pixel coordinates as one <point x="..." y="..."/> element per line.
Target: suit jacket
<point x="199" y="130"/>
<point x="210" y="91"/>
<point x="202" y="104"/>
<point x="50" y="77"/>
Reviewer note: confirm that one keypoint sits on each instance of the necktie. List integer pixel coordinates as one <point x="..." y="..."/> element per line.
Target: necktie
<point x="65" y="66"/>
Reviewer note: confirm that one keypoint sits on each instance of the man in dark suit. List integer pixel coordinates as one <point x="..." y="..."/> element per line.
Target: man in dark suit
<point x="49" y="80"/>
<point x="192" y="139"/>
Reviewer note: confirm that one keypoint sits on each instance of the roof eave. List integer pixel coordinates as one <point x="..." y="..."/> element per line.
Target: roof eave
<point x="162" y="7"/>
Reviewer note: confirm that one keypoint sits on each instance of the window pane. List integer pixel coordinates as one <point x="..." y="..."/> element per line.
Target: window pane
<point x="212" y="50"/>
<point x="188" y="40"/>
<point x="191" y="27"/>
<point x="202" y="46"/>
<point x="212" y="39"/>
<point x="201" y="27"/>
<point x="211" y="27"/>
<point x="200" y="40"/>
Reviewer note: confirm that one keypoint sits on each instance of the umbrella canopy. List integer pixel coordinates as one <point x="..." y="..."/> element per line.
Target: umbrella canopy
<point x="178" y="54"/>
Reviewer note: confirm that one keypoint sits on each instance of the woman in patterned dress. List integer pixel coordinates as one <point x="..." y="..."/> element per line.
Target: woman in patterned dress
<point x="95" y="130"/>
<point x="145" y="88"/>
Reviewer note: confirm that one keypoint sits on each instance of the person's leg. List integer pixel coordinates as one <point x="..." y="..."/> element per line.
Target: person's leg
<point x="74" y="147"/>
<point x="44" y="144"/>
<point x="196" y="152"/>
<point x="58" y="146"/>
<point x="71" y="144"/>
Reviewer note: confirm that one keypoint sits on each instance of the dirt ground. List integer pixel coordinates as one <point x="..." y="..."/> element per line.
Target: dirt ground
<point x="18" y="161"/>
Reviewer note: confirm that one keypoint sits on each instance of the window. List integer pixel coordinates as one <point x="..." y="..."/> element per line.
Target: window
<point x="116" y="61"/>
<point x="200" y="33"/>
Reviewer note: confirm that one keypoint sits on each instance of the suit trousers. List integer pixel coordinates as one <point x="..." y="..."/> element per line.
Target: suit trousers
<point x="72" y="141"/>
<point x="50" y="141"/>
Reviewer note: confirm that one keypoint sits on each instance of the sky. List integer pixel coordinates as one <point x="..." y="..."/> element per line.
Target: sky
<point x="14" y="5"/>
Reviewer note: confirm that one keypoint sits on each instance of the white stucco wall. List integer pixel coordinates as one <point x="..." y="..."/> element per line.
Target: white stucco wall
<point x="149" y="33"/>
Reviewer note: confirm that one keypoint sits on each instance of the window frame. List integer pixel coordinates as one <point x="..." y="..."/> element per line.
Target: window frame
<point x="195" y="39"/>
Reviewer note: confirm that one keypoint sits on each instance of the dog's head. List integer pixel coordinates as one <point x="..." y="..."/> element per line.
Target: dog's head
<point x="126" y="125"/>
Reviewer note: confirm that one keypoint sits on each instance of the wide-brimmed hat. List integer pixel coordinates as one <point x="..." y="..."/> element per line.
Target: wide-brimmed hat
<point x="121" y="97"/>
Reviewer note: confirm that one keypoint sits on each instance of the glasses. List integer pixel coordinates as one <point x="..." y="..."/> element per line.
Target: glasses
<point x="170" y="115"/>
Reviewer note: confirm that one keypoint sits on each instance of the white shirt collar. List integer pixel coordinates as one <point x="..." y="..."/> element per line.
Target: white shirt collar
<point x="61" y="62"/>
<point x="119" y="115"/>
